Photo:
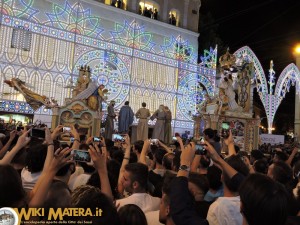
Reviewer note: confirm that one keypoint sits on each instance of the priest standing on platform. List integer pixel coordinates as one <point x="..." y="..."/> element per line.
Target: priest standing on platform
<point x="125" y="118"/>
<point x="109" y="125"/>
<point x="159" y="127"/>
<point x="143" y="115"/>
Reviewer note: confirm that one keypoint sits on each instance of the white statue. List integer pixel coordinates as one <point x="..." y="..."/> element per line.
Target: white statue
<point x="227" y="85"/>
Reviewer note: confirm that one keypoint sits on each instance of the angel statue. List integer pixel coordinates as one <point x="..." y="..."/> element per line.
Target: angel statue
<point x="33" y="99"/>
<point x="94" y="95"/>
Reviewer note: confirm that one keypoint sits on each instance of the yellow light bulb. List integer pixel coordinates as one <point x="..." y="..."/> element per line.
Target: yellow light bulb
<point x="297" y="49"/>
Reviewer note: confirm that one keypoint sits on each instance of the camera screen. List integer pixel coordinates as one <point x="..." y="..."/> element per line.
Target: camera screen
<point x="96" y="139"/>
<point x="81" y="155"/>
<point x="225" y="126"/>
<point x="38" y="133"/>
<point x="66" y="129"/>
<point x="154" y="141"/>
<point x="199" y="147"/>
<point x="118" y="137"/>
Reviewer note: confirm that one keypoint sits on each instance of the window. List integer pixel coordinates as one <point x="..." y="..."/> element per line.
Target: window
<point x="21" y="38"/>
<point x="148" y="9"/>
<point x="121" y="4"/>
<point x="174" y="16"/>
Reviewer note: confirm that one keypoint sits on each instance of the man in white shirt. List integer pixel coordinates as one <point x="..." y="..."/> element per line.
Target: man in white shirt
<point x="134" y="181"/>
<point x="226" y="210"/>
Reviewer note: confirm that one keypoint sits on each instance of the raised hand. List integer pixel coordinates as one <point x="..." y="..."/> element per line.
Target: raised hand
<point x="57" y="131"/>
<point x="212" y="152"/>
<point x="61" y="158"/>
<point x="12" y="135"/>
<point x="126" y="141"/>
<point x="229" y="140"/>
<point x="98" y="157"/>
<point x="23" y="140"/>
<point x="48" y="136"/>
<point x="74" y="132"/>
<point x="188" y="154"/>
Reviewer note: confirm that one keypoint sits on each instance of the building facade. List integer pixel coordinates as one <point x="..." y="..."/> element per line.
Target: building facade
<point x="137" y="58"/>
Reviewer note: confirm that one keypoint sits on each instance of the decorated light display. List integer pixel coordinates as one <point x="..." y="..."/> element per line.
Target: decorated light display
<point x="133" y="62"/>
<point x="271" y="101"/>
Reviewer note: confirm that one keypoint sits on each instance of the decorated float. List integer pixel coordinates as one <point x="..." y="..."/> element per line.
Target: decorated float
<point x="232" y="103"/>
<point x="83" y="109"/>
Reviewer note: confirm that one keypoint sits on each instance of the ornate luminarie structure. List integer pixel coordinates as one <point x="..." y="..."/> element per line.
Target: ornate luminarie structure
<point x="225" y="108"/>
<point x="271" y="101"/>
<point x="44" y="43"/>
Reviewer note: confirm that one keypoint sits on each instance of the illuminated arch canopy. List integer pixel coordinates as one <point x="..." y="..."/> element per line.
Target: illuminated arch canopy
<point x="289" y="76"/>
<point x="248" y="55"/>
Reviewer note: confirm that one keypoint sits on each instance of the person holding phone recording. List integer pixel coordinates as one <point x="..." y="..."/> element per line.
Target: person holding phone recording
<point x="212" y="137"/>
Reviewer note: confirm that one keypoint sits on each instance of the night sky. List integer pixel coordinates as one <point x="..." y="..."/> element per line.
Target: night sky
<point x="271" y="28"/>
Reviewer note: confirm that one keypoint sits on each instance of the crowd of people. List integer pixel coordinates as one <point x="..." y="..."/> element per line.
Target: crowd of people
<point x="150" y="183"/>
<point x="149" y="12"/>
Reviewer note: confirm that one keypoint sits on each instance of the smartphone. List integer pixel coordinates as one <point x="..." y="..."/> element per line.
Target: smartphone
<point x="81" y="155"/>
<point x="63" y="144"/>
<point x="154" y="141"/>
<point x="200" y="150"/>
<point x="225" y="130"/>
<point x="202" y="141"/>
<point x="20" y="128"/>
<point x="118" y="137"/>
<point x="38" y="133"/>
<point x="72" y="139"/>
<point x="96" y="139"/>
<point x="66" y="129"/>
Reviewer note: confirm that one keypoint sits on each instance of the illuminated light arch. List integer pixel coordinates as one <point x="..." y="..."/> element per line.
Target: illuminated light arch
<point x="289" y="76"/>
<point x="49" y="52"/>
<point x="11" y="55"/>
<point x="47" y="85"/>
<point x="22" y="75"/>
<point x="58" y="89"/>
<point x="9" y="72"/>
<point x="154" y="101"/>
<point x="137" y="91"/>
<point x="35" y="81"/>
<point x="260" y="78"/>
<point x="25" y="58"/>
